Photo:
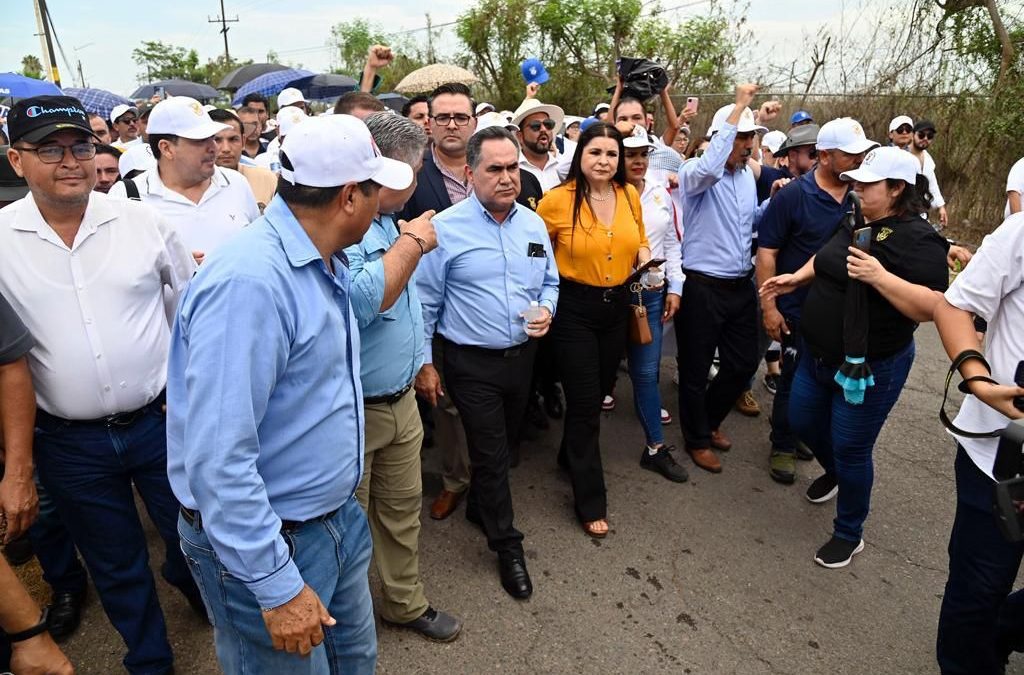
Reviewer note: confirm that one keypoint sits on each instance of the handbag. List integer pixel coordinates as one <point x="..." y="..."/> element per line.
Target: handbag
<point x="639" y="328"/>
<point x="642" y="79"/>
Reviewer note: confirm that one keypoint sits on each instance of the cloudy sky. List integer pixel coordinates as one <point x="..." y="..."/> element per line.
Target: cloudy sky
<point x="298" y="32"/>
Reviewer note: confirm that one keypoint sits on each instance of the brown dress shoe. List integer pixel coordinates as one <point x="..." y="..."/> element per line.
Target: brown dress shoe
<point x="706" y="459"/>
<point x="747" y="405"/>
<point x="719" y="441"/>
<point x="445" y="504"/>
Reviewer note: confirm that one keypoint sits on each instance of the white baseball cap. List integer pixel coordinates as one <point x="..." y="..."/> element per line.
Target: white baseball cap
<point x="183" y="116"/>
<point x="745" y="124"/>
<point x="844" y="134"/>
<point x="494" y="119"/>
<point x="289" y="96"/>
<point x="337" y="150"/>
<point x="287" y="118"/>
<point x="119" y="110"/>
<point x="773" y="140"/>
<point x="483" y="107"/>
<point x="885" y="162"/>
<point x="638" y="139"/>
<point x="899" y="121"/>
<point x="571" y="120"/>
<point x="138" y="157"/>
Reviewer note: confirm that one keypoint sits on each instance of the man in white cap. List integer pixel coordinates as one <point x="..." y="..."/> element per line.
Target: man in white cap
<point x="538" y="122"/>
<point x="208" y="204"/>
<point x="770" y="144"/>
<point x="901" y="131"/>
<point x="266" y="472"/>
<point x="125" y="119"/>
<point x="718" y="309"/>
<point x="291" y="97"/>
<point x="287" y="118"/>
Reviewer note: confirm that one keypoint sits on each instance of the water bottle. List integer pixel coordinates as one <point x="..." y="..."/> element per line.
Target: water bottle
<point x="533" y="313"/>
<point x="652" y="278"/>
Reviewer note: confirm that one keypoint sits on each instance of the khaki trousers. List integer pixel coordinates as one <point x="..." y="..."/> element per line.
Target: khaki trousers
<point x="449" y="434"/>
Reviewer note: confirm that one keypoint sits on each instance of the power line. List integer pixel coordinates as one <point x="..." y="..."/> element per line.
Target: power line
<point x="223" y="20"/>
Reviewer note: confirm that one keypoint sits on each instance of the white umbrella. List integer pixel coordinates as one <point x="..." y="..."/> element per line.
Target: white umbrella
<point x="430" y="77"/>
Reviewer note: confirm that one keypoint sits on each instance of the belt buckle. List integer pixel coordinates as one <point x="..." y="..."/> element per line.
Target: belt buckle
<point x="606" y="296"/>
<point x="122" y="419"/>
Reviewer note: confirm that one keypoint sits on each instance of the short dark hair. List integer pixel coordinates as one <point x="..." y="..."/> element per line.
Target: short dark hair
<point x="144" y="112"/>
<point x="475" y="145"/>
<point x="311" y="197"/>
<point x="104" y="149"/>
<point x="256" y="98"/>
<point x="225" y="117"/>
<point x="154" y="142"/>
<point x="454" y="89"/>
<point x="915" y="198"/>
<point x="357" y="99"/>
<point x="413" y="101"/>
<point x="629" y="99"/>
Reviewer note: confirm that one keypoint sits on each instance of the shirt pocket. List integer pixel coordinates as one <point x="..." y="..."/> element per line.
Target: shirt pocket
<point x="529" y="272"/>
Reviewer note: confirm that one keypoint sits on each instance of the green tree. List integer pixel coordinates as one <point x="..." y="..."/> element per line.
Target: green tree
<point x="161" y="61"/>
<point x="496" y="38"/>
<point x="31" y="67"/>
<point x="352" y="40"/>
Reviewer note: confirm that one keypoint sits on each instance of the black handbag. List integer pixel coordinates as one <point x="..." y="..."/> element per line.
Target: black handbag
<point x="642" y="79"/>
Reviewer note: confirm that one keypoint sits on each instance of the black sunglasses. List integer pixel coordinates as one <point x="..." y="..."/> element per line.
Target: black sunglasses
<point x="535" y="125"/>
<point x="127" y="120"/>
<point x="905" y="129"/>
<point x="930" y="135"/>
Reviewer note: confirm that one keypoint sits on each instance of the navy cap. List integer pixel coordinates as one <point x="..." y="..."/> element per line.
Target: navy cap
<point x="33" y="119"/>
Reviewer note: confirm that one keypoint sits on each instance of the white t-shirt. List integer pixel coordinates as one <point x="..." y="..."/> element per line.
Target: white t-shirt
<point x="992" y="287"/>
<point x="928" y="169"/>
<point x="1015" y="183"/>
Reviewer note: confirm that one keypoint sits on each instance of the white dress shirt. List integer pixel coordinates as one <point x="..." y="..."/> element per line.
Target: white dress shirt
<point x="662" y="229"/>
<point x="225" y="208"/>
<point x="96" y="310"/>
<point x="548" y="176"/>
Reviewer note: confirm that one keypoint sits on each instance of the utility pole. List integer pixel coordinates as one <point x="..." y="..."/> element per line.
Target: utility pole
<point x="81" y="75"/>
<point x="49" y="58"/>
<point x="224" y="21"/>
<point x="430" y="40"/>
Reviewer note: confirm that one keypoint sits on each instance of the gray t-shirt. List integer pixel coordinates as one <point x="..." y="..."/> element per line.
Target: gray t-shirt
<point x="15" y="340"/>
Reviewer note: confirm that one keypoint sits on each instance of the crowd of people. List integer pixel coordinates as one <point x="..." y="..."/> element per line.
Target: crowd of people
<point x="260" y="324"/>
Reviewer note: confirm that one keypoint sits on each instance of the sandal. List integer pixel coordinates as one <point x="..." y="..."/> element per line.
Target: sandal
<point x="592" y="530"/>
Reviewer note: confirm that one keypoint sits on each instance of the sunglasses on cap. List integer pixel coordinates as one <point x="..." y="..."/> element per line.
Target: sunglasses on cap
<point x="930" y="135"/>
<point x="535" y="125"/>
<point x="904" y="129"/>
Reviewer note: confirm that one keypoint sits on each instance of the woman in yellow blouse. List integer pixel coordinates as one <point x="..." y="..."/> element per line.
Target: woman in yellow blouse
<point x="597" y="233"/>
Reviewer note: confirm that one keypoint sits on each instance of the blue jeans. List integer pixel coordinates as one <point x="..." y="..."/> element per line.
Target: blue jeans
<point x="842" y="435"/>
<point x="644" y="367"/>
<point x="54" y="549"/>
<point x="980" y="620"/>
<point x="89" y="471"/>
<point x="333" y="556"/>
<point x="782" y="437"/>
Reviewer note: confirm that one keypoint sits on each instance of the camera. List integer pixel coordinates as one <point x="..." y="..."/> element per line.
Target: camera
<point x="1008" y="497"/>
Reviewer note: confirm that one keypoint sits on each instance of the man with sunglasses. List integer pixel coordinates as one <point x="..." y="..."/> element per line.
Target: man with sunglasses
<point x="99" y="367"/>
<point x="924" y="134"/>
<point x="901" y="131"/>
<point x="537" y="123"/>
<point x="125" y="119"/>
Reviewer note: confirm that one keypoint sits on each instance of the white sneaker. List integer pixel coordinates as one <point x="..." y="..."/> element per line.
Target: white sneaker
<point x="608" y="404"/>
<point x="666" y="418"/>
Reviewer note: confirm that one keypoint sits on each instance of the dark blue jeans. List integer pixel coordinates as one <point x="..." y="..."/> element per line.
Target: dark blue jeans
<point x="980" y="620"/>
<point x="842" y="435"/>
<point x="89" y="471"/>
<point x="644" y="368"/>
<point x="54" y="549"/>
<point x="782" y="437"/>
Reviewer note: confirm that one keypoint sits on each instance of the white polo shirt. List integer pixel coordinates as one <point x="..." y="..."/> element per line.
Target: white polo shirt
<point x="992" y="287"/>
<point x="96" y="310"/>
<point x="1015" y="183"/>
<point x="548" y="176"/>
<point x="225" y="208"/>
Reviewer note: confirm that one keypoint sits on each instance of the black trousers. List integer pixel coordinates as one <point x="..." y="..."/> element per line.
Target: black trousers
<point x="722" y="315"/>
<point x="589" y="335"/>
<point x="491" y="388"/>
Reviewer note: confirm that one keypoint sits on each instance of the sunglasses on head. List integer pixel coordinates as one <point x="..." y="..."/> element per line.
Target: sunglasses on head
<point x="535" y="125"/>
<point x="926" y="134"/>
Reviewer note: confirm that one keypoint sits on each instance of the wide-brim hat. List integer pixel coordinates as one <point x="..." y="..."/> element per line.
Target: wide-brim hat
<point x="532" y="106"/>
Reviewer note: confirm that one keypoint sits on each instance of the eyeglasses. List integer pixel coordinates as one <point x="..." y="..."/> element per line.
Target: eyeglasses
<point x="444" y="119"/>
<point x="930" y="135"/>
<point x="905" y="129"/>
<point x="127" y="120"/>
<point x="535" y="125"/>
<point x="54" y="153"/>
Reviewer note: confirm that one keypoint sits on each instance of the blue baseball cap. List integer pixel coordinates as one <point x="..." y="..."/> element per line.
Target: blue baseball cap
<point x="587" y="123"/>
<point x="534" y="71"/>
<point x="800" y="116"/>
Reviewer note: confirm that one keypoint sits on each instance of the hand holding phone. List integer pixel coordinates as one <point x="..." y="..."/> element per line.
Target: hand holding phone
<point x="862" y="239"/>
<point x="691" y="104"/>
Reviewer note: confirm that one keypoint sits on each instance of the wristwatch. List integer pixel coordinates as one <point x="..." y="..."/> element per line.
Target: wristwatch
<point x="35" y="630"/>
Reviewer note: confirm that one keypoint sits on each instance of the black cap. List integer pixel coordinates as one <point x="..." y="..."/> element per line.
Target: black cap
<point x="33" y="119"/>
<point x="924" y="125"/>
<point x="12" y="186"/>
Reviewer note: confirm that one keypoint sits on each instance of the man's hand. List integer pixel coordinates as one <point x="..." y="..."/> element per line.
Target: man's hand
<point x="532" y="89"/>
<point x="774" y="324"/>
<point x="39" y="655"/>
<point x="423" y="228"/>
<point x="297" y="625"/>
<point x="779" y="285"/>
<point x="768" y="111"/>
<point x="19" y="504"/>
<point x="671" y="307"/>
<point x="428" y="383"/>
<point x="745" y="94"/>
<point x="998" y="397"/>
<point x="958" y="254"/>
<point x="379" y="56"/>
<point x="540" y="327"/>
<point x="943" y="216"/>
<point x="199" y="257"/>
<point x="625" y="128"/>
<point x="779" y="184"/>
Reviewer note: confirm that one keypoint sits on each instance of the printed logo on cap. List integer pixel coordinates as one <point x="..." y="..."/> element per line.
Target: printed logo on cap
<point x="196" y="108"/>
<point x="857" y="129"/>
<point x="870" y="158"/>
<point x="37" y="110"/>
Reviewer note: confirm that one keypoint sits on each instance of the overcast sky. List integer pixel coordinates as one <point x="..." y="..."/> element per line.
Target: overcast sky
<point x="298" y="32"/>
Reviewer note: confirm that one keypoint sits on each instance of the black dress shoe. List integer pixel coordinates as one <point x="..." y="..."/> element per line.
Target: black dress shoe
<point x="514" y="577"/>
<point x="65" y="614"/>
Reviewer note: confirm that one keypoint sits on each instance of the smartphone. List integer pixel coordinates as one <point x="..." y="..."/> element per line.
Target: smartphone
<point x="1018" y="378"/>
<point x="1008" y="505"/>
<point x="862" y="238"/>
<point x="635" y="277"/>
<point x="691" y="103"/>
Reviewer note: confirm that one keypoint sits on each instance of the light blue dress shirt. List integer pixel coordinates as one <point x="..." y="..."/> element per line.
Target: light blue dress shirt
<point x="264" y="405"/>
<point x="392" y="341"/>
<point x="479" y="279"/>
<point x="719" y="210"/>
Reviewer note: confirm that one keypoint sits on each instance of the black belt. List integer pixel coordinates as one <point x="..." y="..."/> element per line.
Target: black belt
<point x="122" y="419"/>
<point x="602" y="293"/>
<point x="511" y="352"/>
<point x="194" y="519"/>
<point x="708" y="280"/>
<point x="387" y="399"/>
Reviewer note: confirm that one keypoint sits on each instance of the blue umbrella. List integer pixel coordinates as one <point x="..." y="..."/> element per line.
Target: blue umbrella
<point x="99" y="101"/>
<point x="270" y="84"/>
<point x="325" y="85"/>
<point x="19" y="86"/>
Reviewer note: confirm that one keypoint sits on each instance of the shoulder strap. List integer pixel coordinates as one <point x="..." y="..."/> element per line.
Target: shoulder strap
<point x="132" y="190"/>
<point x="963" y="356"/>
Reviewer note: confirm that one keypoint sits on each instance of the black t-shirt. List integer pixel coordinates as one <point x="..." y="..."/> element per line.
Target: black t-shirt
<point x="769" y="175"/>
<point x="908" y="247"/>
<point x="15" y="340"/>
<point x="530" y="191"/>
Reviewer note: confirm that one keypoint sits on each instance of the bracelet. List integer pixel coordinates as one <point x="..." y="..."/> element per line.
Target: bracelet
<point x="419" y="242"/>
<point x="32" y="632"/>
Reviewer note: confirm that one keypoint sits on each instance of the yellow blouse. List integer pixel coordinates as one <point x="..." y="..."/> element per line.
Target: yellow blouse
<point x="596" y="254"/>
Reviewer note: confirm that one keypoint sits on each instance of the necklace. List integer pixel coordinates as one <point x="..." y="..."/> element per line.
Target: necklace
<point x="607" y="195"/>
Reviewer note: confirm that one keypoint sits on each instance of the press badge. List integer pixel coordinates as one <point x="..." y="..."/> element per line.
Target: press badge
<point x="536" y="251"/>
